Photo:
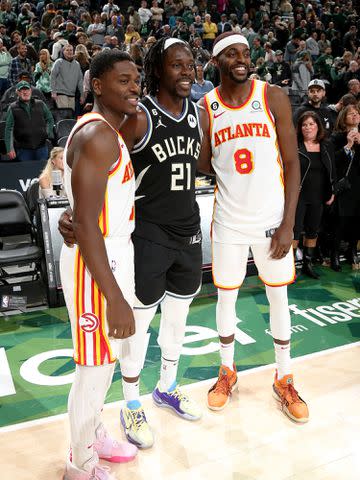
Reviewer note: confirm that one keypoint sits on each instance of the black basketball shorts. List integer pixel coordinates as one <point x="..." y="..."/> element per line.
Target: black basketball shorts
<point x="160" y="270"/>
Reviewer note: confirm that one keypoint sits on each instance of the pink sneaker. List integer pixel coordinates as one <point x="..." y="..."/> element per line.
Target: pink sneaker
<point x="111" y="450"/>
<point x="98" y="472"/>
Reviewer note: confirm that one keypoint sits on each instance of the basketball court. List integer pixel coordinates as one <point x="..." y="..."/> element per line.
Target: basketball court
<point x="250" y="439"/>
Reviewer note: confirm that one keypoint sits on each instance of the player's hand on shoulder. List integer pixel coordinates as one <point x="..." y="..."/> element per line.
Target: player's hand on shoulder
<point x="120" y="318"/>
<point x="281" y="242"/>
<point x="65" y="227"/>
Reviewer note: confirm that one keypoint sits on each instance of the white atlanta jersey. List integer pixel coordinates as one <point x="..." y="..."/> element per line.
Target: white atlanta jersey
<point x="117" y="215"/>
<point x="249" y="197"/>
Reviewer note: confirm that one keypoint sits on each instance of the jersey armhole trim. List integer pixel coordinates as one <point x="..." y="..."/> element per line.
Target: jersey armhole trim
<point x="207" y="108"/>
<point x="266" y="104"/>
<point x="144" y="141"/>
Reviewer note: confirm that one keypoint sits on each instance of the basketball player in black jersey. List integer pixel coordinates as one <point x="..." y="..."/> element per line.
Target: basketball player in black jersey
<point x="164" y="139"/>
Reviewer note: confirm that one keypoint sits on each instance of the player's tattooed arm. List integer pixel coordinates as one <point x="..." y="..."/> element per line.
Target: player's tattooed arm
<point x="204" y="160"/>
<point x="281" y="109"/>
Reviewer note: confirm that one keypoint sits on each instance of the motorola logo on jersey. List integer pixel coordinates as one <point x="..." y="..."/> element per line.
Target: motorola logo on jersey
<point x="214" y="106"/>
<point x="89" y="322"/>
<point x="192" y="121"/>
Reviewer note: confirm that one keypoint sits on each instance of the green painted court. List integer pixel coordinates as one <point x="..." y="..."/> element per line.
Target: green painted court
<point x="35" y="348"/>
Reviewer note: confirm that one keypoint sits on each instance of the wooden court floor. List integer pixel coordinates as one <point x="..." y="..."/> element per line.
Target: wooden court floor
<point x="250" y="440"/>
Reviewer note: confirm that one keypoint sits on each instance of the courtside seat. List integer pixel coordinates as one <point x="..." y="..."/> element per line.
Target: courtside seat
<point x="17" y="236"/>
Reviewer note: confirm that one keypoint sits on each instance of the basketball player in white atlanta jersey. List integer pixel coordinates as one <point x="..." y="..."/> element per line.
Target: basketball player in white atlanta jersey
<point x="250" y="144"/>
<point x="98" y="273"/>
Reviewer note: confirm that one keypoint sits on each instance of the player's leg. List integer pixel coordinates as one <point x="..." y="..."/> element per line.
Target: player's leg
<point x="183" y="283"/>
<point x="93" y="354"/>
<point x="276" y="275"/>
<point x="151" y="263"/>
<point x="229" y="270"/>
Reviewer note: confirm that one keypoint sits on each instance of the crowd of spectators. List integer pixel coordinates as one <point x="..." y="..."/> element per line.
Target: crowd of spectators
<point x="310" y="48"/>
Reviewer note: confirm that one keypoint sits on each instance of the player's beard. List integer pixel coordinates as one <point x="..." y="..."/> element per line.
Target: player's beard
<point x="238" y="80"/>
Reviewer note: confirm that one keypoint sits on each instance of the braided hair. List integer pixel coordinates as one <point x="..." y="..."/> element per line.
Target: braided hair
<point x="154" y="63"/>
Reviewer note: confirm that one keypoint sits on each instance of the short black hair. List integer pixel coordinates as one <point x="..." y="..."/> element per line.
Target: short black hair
<point x="104" y="62"/>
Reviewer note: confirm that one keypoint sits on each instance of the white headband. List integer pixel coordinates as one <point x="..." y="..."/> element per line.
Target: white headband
<point x="227" y="41"/>
<point x="170" y="41"/>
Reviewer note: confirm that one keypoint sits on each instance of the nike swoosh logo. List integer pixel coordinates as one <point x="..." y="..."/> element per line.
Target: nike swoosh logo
<point x="218" y="115"/>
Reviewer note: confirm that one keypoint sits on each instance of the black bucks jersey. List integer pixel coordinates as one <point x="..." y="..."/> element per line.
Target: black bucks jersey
<point x="165" y="166"/>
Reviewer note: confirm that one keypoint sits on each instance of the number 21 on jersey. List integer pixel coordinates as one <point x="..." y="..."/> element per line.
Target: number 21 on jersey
<point x="180" y="176"/>
<point x="244" y="163"/>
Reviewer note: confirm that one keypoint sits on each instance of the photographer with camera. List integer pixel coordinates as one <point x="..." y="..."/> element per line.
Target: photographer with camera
<point x="346" y="140"/>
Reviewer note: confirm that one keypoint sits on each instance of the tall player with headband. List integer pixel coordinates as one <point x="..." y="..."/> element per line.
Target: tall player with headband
<point x="250" y="143"/>
<point x="164" y="139"/>
<point x="98" y="274"/>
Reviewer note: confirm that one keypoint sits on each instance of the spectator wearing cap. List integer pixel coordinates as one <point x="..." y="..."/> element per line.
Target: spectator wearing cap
<point x="316" y="103"/>
<point x="96" y="30"/>
<point x="19" y="63"/>
<point x="201" y="86"/>
<point x="66" y="79"/>
<point x="58" y="45"/>
<point x="280" y="71"/>
<point x="29" y="124"/>
<point x="10" y="95"/>
<point x="5" y="61"/>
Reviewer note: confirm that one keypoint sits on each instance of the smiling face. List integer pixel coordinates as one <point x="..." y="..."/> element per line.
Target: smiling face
<point x="118" y="89"/>
<point x="234" y="63"/>
<point x="178" y="72"/>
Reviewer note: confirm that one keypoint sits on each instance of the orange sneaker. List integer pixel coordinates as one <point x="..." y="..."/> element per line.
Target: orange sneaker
<point x="219" y="394"/>
<point x="291" y="403"/>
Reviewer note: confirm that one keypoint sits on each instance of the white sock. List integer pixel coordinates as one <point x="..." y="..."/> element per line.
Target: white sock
<point x="227" y="354"/>
<point x="174" y="312"/>
<point x="86" y="400"/>
<point x="131" y="391"/>
<point x="282" y="359"/>
<point x="168" y="373"/>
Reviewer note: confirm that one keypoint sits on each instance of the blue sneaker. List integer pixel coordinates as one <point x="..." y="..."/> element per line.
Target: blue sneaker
<point x="177" y="401"/>
<point x="136" y="428"/>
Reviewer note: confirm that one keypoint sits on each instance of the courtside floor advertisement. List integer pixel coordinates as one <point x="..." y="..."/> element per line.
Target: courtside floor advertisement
<point x="36" y="366"/>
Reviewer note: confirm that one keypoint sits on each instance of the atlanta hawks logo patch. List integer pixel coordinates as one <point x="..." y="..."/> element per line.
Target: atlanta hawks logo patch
<point x="89" y="322"/>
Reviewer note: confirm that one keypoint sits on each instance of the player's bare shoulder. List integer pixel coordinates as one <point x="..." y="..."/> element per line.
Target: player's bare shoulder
<point x="278" y="100"/>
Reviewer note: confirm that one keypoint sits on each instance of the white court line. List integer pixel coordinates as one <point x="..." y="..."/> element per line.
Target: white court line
<point x="54" y="418"/>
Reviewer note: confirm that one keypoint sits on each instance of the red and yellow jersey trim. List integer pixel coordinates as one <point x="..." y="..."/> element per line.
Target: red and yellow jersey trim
<point x="208" y="111"/>
<point x="104" y="217"/>
<point x="238" y="107"/>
